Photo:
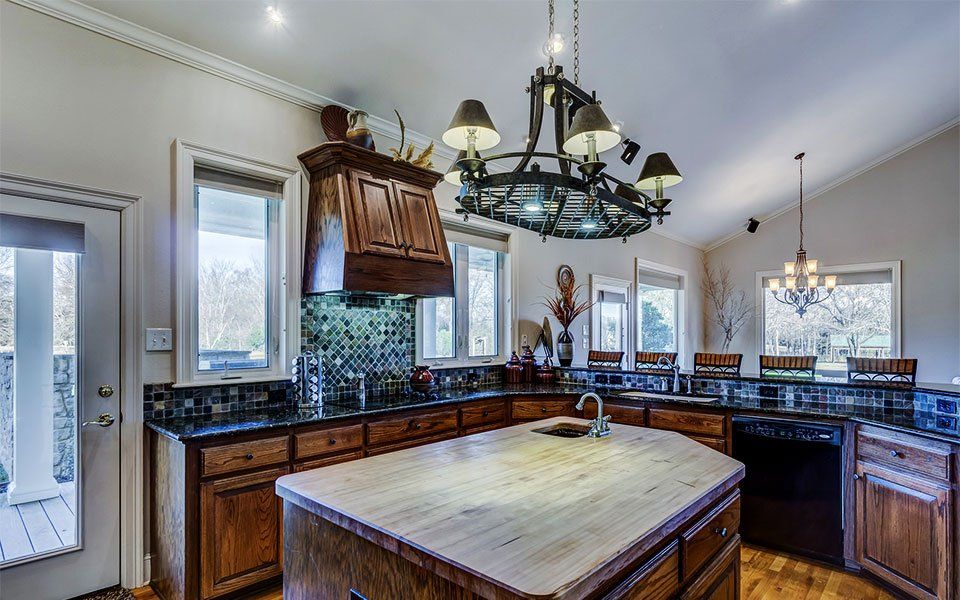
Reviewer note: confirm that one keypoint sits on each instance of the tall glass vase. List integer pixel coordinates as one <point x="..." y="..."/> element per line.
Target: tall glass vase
<point x="565" y="348"/>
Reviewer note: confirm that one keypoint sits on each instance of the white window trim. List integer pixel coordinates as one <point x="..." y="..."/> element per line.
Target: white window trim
<point x="285" y="317"/>
<point x="506" y="310"/>
<point x="603" y="283"/>
<point x="682" y="311"/>
<point x="895" y="322"/>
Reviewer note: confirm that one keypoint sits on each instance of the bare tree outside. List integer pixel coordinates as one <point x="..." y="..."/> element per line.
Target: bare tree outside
<point x="727" y="307"/>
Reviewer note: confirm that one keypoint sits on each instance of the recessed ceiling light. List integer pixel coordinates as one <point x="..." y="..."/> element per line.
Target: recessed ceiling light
<point x="274" y="16"/>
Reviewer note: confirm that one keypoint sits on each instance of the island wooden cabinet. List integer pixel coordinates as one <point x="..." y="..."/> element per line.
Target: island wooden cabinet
<point x="534" y="408"/>
<point x="905" y="511"/>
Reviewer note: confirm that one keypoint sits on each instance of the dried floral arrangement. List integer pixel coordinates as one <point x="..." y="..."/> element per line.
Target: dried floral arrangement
<point x="566" y="305"/>
<point x="401" y="155"/>
<point x="726" y="307"/>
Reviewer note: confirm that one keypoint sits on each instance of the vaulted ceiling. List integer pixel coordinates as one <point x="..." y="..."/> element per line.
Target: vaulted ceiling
<point x="732" y="90"/>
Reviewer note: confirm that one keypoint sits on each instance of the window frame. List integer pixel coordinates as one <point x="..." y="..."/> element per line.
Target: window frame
<point x="681" y="316"/>
<point x="505" y="302"/>
<point x="603" y="283"/>
<point x="893" y="266"/>
<point x="285" y="250"/>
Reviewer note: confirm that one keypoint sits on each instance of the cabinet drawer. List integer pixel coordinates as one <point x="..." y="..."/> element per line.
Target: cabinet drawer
<point x="413" y="443"/>
<point x="389" y="431"/>
<point x="327" y="441"/>
<point x="699" y="543"/>
<point x="902" y="454"/>
<point x="243" y="455"/>
<point x="531" y="410"/>
<point x="625" y="415"/>
<point x="482" y="414"/>
<point x="658" y="579"/>
<point x="328" y="460"/>
<point x="718" y="444"/>
<point x="687" y="422"/>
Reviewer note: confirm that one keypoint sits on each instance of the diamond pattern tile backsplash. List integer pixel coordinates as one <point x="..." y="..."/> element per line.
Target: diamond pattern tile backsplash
<point x="359" y="333"/>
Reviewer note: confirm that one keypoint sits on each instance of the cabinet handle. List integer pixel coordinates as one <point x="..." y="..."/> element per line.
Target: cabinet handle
<point x="856" y="476"/>
<point x="721" y="531"/>
<point x="896" y="454"/>
<point x="332" y="441"/>
<point x="249" y="456"/>
<point x="543" y="409"/>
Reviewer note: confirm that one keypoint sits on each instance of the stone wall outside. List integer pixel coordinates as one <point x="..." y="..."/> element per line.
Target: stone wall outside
<point x="64" y="415"/>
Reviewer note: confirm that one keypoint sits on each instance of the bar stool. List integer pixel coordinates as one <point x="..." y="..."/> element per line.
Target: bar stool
<point x="788" y="366"/>
<point x="717" y="364"/>
<point x="648" y="361"/>
<point x="601" y="358"/>
<point x="899" y="370"/>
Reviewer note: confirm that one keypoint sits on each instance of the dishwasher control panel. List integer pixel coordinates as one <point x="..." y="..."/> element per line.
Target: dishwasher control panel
<point x="788" y="431"/>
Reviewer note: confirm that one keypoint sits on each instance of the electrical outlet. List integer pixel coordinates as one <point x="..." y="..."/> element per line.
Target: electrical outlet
<point x="159" y="340"/>
<point x="586" y="343"/>
<point x="586" y="331"/>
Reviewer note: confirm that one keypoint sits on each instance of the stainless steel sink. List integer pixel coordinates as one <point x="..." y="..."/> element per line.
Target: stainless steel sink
<point x="652" y="396"/>
<point x="564" y="430"/>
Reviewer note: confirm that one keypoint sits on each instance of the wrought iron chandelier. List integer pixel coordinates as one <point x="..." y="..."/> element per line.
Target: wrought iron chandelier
<point x="583" y="204"/>
<point x="800" y="287"/>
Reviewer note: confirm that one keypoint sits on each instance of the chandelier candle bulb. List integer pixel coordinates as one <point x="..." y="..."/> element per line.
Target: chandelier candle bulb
<point x="812" y="265"/>
<point x="788" y="267"/>
<point x="830" y="281"/>
<point x="812" y="280"/>
<point x="791" y="283"/>
<point x="774" y="285"/>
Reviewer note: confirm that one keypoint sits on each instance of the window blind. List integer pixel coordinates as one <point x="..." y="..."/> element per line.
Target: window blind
<point x="612" y="297"/>
<point x="35" y="233"/>
<point x="476" y="237"/>
<point x="658" y="279"/>
<point x="853" y="278"/>
<point x="237" y="182"/>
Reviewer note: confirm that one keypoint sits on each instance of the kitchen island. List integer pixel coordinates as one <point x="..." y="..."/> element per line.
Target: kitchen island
<point x="516" y="513"/>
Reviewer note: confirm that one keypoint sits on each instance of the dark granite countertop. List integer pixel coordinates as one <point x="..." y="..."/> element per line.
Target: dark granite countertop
<point x="201" y="427"/>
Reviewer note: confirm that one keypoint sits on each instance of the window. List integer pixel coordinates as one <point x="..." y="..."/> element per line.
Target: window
<point x="859" y="319"/>
<point x="609" y="321"/>
<point x="659" y="315"/>
<point x="234" y="308"/>
<point x="470" y="327"/>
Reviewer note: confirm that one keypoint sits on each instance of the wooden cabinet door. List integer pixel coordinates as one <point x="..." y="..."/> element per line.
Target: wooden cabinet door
<point x="422" y="231"/>
<point x="903" y="530"/>
<point x="241" y="528"/>
<point x="376" y="215"/>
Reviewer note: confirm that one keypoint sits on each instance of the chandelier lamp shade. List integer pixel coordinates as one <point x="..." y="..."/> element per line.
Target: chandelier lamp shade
<point x="578" y="200"/>
<point x="801" y="286"/>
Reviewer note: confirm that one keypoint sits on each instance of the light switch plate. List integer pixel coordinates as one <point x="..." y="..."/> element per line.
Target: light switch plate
<point x="159" y="340"/>
<point x="586" y="330"/>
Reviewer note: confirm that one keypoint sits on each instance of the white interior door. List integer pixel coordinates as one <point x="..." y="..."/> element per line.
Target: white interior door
<point x="59" y="399"/>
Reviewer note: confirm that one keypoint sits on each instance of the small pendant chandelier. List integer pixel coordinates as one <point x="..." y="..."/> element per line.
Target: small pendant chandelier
<point x="800" y="287"/>
<point x="579" y="200"/>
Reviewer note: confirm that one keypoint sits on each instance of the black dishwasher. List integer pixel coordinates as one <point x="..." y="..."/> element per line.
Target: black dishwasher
<point x="792" y="492"/>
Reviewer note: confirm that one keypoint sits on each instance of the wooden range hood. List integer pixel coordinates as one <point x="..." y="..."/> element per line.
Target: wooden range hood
<point x="372" y="225"/>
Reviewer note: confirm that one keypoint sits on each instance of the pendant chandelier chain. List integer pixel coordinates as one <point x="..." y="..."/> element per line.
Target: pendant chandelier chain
<point x="800" y="158"/>
<point x="576" y="42"/>
<point x="551" y="17"/>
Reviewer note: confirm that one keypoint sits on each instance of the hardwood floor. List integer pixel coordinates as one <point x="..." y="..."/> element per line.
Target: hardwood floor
<point x="764" y="575"/>
<point x="770" y="575"/>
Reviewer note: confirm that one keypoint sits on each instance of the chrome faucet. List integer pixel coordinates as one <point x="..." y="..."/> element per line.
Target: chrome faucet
<point x="361" y="382"/>
<point x="675" y="367"/>
<point x="598" y="427"/>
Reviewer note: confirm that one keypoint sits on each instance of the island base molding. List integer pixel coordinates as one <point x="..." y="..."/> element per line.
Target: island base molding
<point x="354" y="568"/>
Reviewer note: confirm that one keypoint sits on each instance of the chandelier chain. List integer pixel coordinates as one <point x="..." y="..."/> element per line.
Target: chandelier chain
<point x="550" y="28"/>
<point x="576" y="42"/>
<point x="800" y="158"/>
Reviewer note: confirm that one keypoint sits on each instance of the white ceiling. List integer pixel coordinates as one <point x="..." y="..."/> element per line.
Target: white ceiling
<point x="732" y="90"/>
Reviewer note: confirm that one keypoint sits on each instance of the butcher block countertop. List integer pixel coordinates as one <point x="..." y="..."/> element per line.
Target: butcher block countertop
<point x="535" y="515"/>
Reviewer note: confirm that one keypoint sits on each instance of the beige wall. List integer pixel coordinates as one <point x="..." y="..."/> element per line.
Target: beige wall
<point x="908" y="209"/>
<point x="85" y="109"/>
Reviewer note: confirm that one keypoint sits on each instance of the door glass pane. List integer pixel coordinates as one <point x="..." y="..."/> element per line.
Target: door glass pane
<point x="232" y="279"/>
<point x="611" y="327"/>
<point x="38" y="402"/>
<point x="482" y="301"/>
<point x="657" y="319"/>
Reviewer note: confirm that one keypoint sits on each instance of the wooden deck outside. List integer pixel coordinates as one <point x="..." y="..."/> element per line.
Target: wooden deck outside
<point x="41" y="526"/>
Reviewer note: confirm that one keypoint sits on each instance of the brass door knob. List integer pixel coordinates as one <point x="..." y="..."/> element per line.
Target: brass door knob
<point x="105" y="391"/>
<point x="104" y="420"/>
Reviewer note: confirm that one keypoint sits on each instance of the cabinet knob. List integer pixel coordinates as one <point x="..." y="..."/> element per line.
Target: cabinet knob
<point x="721" y="531"/>
<point x="856" y="476"/>
<point x="249" y="456"/>
<point x="332" y="441"/>
<point x="895" y="454"/>
<point x="543" y="409"/>
<point x="419" y="426"/>
<point x="484" y="413"/>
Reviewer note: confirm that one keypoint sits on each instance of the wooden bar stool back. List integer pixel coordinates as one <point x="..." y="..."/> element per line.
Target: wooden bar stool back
<point x="601" y="358"/>
<point x="899" y="370"/>
<point x="717" y="364"/>
<point x="788" y="366"/>
<point x="647" y="361"/>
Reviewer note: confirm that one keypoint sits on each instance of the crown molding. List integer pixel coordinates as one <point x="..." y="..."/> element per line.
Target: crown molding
<point x="676" y="238"/>
<point x="841" y="180"/>
<point x="113" y="27"/>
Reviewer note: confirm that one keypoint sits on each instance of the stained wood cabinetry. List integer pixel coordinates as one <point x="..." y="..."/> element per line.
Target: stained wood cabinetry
<point x="372" y="225"/>
<point x="905" y="512"/>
